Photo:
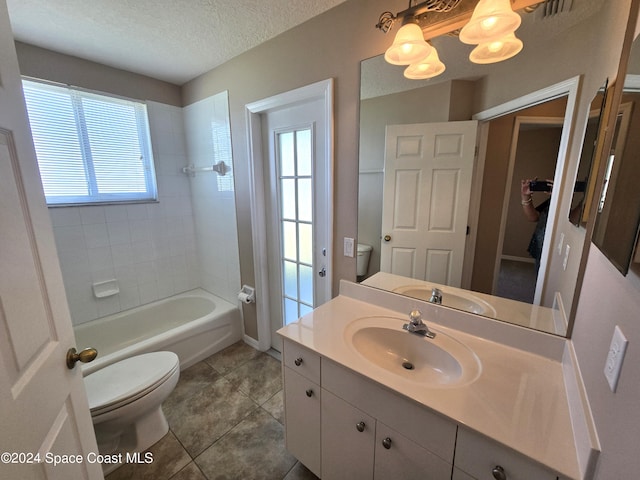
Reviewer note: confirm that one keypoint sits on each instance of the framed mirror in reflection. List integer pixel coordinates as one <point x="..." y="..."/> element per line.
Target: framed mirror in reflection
<point x="618" y="208"/>
<point x="473" y="237"/>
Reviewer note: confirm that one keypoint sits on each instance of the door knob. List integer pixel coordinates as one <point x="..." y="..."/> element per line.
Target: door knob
<point x="387" y="238"/>
<point x="85" y="356"/>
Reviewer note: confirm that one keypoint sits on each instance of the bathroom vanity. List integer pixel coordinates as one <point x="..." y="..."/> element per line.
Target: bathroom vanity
<point x="366" y="399"/>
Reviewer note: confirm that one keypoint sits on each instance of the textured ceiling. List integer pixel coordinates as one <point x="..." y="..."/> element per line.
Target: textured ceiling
<point x="172" y="40"/>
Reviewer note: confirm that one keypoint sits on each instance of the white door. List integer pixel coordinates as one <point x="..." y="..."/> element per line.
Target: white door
<point x="43" y="404"/>
<point x="428" y="170"/>
<point x="296" y="187"/>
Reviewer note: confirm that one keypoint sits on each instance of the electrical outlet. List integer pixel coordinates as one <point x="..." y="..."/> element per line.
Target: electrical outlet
<point x="348" y="247"/>
<point x="613" y="364"/>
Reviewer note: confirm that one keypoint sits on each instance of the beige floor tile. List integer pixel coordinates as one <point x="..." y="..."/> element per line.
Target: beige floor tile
<point x="254" y="449"/>
<point x="260" y="378"/>
<point x="300" y="472"/>
<point x="232" y="357"/>
<point x="190" y="472"/>
<point x="206" y="415"/>
<point x="168" y="458"/>
<point x="275" y="406"/>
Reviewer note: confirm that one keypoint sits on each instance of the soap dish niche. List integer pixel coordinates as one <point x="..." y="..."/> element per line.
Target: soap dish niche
<point x="107" y="288"/>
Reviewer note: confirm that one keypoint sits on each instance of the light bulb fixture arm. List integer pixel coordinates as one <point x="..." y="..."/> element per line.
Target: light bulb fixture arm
<point x="387" y="19"/>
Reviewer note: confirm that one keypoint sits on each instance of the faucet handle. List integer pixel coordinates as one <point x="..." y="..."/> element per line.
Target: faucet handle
<point x="415" y="315"/>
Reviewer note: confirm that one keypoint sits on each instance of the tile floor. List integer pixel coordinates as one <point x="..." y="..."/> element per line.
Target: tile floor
<point x="226" y="422"/>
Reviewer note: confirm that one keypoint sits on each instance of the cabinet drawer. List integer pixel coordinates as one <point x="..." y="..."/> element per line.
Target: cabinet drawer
<point x="301" y="360"/>
<point x="397" y="457"/>
<point x="417" y="423"/>
<point x="478" y="456"/>
<point x="302" y="419"/>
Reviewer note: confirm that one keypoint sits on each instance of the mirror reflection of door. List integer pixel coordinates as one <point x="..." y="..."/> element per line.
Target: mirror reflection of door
<point x="536" y="141"/>
<point x="428" y="170"/>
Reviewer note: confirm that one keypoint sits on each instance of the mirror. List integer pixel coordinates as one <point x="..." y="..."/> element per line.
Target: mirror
<point x="618" y="210"/>
<point x="583" y="189"/>
<point x="387" y="98"/>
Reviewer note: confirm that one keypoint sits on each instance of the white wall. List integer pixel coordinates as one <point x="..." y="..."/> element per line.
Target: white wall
<point x="208" y="136"/>
<point x="150" y="249"/>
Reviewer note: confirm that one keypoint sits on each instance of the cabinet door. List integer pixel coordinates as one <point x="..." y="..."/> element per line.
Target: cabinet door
<point x="348" y="437"/>
<point x="397" y="457"/>
<point x="302" y="419"/>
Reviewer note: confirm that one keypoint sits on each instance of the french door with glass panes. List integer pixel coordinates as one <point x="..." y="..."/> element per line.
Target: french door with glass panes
<point x="297" y="213"/>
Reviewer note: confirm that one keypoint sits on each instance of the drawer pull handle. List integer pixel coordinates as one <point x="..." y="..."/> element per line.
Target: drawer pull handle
<point x="298" y="361"/>
<point x="386" y="443"/>
<point x="498" y="473"/>
<point x="309" y="393"/>
<point x="360" y="426"/>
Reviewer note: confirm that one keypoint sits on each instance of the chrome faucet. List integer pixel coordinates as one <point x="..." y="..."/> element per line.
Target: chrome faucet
<point x="436" y="296"/>
<point x="417" y="326"/>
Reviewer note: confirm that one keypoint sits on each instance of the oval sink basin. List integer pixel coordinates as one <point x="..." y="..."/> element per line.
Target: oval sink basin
<point x="458" y="300"/>
<point x="439" y="362"/>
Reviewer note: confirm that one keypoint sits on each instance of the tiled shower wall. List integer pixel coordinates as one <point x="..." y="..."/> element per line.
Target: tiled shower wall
<point x="208" y="138"/>
<point x="150" y="249"/>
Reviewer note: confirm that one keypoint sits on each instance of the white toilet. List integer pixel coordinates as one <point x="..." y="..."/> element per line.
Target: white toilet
<point x="362" y="260"/>
<point x="125" y="399"/>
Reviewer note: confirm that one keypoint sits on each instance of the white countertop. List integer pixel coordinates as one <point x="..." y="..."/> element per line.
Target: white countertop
<point x="519" y="398"/>
<point x="512" y="311"/>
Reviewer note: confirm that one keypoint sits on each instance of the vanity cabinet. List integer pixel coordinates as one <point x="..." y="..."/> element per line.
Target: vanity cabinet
<point x="342" y="425"/>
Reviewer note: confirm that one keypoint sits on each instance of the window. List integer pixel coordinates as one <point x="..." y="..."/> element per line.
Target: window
<point x="91" y="148"/>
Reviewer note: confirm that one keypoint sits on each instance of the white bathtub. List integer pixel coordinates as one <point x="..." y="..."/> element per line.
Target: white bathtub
<point x="193" y="325"/>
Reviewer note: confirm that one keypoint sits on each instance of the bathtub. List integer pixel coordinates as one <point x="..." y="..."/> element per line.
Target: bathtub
<point x="193" y="325"/>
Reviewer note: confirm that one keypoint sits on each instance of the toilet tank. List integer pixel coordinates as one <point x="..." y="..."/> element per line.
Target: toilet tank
<point x="362" y="260"/>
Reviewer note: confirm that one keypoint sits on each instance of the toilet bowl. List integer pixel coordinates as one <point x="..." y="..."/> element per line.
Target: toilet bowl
<point x="362" y="260"/>
<point x="125" y="400"/>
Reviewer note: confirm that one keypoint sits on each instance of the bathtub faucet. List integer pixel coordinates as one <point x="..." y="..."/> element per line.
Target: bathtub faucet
<point x="417" y="326"/>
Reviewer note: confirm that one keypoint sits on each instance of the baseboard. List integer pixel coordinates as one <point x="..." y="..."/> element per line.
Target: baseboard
<point x="513" y="258"/>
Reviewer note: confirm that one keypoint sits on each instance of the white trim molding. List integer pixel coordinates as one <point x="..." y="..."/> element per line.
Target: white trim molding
<point x="254" y="111"/>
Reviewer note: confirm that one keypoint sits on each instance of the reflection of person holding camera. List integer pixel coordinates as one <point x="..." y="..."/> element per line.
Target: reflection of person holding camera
<point x="537" y="214"/>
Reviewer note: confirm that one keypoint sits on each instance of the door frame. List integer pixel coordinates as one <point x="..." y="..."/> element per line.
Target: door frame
<point x="257" y="164"/>
<point x="521" y="120"/>
<point x="569" y="88"/>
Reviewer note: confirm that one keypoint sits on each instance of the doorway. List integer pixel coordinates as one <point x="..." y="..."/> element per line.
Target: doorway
<point x="534" y="153"/>
<point x="291" y="152"/>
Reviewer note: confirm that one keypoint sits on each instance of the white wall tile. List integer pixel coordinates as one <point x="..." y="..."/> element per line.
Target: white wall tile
<point x="156" y="249"/>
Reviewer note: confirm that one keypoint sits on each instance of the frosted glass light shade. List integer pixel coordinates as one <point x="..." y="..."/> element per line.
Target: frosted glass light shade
<point x="491" y="20"/>
<point x="408" y="47"/>
<point x="496" y="50"/>
<point x="426" y="68"/>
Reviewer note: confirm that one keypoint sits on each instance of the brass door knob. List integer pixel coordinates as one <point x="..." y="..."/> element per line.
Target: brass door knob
<point x="85" y="356"/>
<point x="387" y="238"/>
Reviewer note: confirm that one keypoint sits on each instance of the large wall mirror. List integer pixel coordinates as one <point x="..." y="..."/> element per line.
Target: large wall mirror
<point x="618" y="207"/>
<point x="495" y="275"/>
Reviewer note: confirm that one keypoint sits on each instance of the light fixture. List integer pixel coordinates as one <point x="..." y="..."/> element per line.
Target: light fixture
<point x="491" y="20"/>
<point x="426" y="68"/>
<point x="408" y="47"/>
<point x="491" y="27"/>
<point x="496" y="50"/>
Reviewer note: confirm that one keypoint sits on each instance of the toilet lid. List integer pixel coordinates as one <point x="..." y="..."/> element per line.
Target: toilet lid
<point x="127" y="378"/>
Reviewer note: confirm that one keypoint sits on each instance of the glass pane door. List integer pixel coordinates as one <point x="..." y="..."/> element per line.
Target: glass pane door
<point x="295" y="198"/>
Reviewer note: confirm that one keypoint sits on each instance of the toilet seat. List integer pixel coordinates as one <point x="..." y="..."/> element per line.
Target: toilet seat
<point x="125" y="381"/>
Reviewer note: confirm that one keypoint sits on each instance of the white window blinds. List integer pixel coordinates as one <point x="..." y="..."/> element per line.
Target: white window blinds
<point x="91" y="148"/>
